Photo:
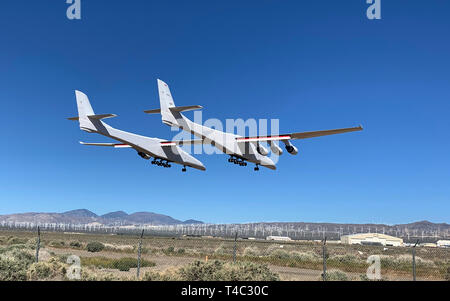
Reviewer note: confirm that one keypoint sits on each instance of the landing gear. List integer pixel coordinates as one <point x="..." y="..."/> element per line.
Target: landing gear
<point x="257" y="167"/>
<point x="161" y="162"/>
<point x="237" y="161"/>
<point x="184" y="169"/>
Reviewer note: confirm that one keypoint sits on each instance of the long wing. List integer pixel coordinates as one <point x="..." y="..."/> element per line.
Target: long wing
<point x="182" y="142"/>
<point x="163" y="143"/>
<point x="115" y="145"/>
<point x="303" y="135"/>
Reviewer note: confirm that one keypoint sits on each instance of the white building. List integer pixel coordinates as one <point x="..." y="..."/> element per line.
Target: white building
<point x="371" y="239"/>
<point x="278" y="238"/>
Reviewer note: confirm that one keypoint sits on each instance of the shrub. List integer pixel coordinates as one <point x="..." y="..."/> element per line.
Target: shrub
<point x="170" y="249"/>
<point x="161" y="276"/>
<point x="346" y="260"/>
<point x="121" y="264"/>
<point x="90" y="275"/>
<point x="53" y="269"/>
<point x="12" y="240"/>
<point x="447" y="276"/>
<point x="221" y="271"/>
<point x="95" y="247"/>
<point x="280" y="254"/>
<point x="251" y="251"/>
<point x="336" y="276"/>
<point x="57" y="244"/>
<point x="305" y="257"/>
<point x="14" y="262"/>
<point x="11" y="270"/>
<point x="181" y="251"/>
<point x="75" y="244"/>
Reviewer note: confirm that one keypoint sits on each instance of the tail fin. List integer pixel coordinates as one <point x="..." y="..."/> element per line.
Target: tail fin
<point x="84" y="106"/>
<point x="84" y="112"/>
<point x="169" y="112"/>
<point x="166" y="102"/>
<point x="165" y="97"/>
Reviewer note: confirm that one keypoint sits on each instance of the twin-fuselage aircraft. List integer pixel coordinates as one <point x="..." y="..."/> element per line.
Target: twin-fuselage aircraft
<point x="240" y="149"/>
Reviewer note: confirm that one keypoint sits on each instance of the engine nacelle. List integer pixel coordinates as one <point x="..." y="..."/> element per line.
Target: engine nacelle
<point x="276" y="149"/>
<point x="262" y="150"/>
<point x="291" y="149"/>
<point x="144" y="155"/>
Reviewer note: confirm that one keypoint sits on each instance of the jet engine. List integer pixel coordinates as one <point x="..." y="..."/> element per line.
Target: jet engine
<point x="262" y="150"/>
<point x="291" y="149"/>
<point x="276" y="149"/>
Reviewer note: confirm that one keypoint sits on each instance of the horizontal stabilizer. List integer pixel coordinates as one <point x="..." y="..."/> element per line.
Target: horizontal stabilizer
<point x="115" y="145"/>
<point x="156" y="111"/>
<point x="186" y="108"/>
<point x="102" y="116"/>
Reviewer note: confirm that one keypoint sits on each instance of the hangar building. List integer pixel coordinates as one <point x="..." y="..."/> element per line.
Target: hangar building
<point x="371" y="239"/>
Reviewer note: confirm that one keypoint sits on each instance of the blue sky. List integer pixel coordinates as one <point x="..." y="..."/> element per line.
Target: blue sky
<point x="312" y="64"/>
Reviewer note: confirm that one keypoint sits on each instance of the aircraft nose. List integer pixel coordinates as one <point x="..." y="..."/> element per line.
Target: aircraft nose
<point x="196" y="164"/>
<point x="267" y="162"/>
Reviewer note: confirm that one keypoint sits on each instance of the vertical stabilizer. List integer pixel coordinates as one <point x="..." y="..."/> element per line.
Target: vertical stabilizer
<point x="83" y="104"/>
<point x="166" y="102"/>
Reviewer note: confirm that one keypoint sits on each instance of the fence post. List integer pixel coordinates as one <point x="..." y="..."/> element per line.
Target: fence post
<point x="324" y="254"/>
<point x="235" y="247"/>
<point x="139" y="255"/>
<point x="38" y="244"/>
<point x="414" y="260"/>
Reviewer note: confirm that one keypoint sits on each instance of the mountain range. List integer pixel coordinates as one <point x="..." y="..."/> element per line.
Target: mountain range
<point x="84" y="216"/>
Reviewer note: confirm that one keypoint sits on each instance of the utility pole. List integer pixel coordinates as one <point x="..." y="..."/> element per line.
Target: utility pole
<point x="324" y="254"/>
<point x="414" y="260"/>
<point x="139" y="255"/>
<point x="38" y="244"/>
<point x="235" y="247"/>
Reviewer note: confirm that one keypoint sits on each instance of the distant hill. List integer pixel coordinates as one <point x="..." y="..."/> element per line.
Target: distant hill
<point x="80" y="213"/>
<point x="115" y="215"/>
<point x="84" y="216"/>
<point x="191" y="222"/>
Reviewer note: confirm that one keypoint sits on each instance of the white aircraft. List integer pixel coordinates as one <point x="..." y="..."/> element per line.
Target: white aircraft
<point x="163" y="152"/>
<point x="240" y="149"/>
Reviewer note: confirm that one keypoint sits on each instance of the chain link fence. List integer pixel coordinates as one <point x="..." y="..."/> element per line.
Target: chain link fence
<point x="135" y="257"/>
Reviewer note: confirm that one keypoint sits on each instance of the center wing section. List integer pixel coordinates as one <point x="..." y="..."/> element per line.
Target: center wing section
<point x="115" y="145"/>
<point x="295" y="136"/>
<point x="182" y="142"/>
